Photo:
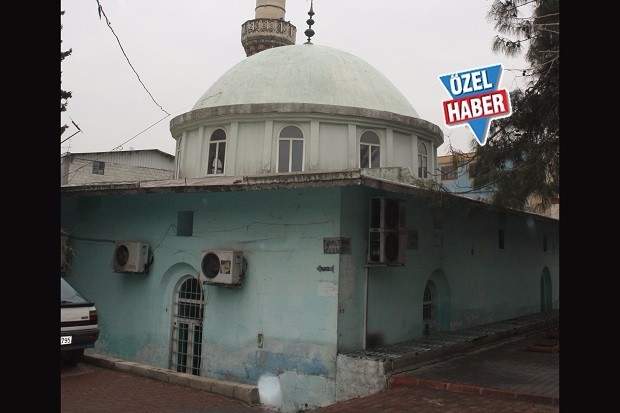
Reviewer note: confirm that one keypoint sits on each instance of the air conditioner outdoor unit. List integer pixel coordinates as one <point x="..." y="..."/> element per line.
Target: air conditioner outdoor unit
<point x="221" y="267"/>
<point x="130" y="256"/>
<point x="387" y="233"/>
<point x="387" y="214"/>
<point x="387" y="247"/>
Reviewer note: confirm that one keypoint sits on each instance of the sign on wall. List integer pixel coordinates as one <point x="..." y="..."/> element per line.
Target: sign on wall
<point x="337" y="245"/>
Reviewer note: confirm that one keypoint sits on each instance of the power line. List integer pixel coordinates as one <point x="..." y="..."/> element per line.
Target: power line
<point x="101" y="12"/>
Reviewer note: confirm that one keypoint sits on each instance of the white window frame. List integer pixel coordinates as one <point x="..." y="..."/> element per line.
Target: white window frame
<point x="370" y="141"/>
<point x="220" y="145"/>
<point x="284" y="137"/>
<point x="422" y="161"/>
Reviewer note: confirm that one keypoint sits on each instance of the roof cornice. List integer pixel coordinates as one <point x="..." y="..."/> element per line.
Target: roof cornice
<point x="393" y="179"/>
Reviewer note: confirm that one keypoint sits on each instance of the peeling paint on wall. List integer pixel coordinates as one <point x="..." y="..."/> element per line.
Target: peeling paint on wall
<point x="327" y="289"/>
<point x="358" y="377"/>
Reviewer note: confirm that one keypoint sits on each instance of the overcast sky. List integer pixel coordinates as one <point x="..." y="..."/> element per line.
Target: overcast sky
<point x="160" y="56"/>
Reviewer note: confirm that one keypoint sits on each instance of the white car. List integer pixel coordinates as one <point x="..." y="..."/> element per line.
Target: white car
<point x="79" y="324"/>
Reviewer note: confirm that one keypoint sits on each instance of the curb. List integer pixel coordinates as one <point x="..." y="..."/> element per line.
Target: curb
<point x="415" y="360"/>
<point x="246" y="393"/>
<point x="395" y="382"/>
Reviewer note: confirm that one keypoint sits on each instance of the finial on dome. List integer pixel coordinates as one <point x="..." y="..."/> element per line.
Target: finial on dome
<point x="309" y="32"/>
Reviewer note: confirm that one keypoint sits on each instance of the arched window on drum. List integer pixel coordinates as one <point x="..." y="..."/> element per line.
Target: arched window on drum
<point x="217" y="152"/>
<point x="370" y="150"/>
<point x="422" y="160"/>
<point x="291" y="150"/>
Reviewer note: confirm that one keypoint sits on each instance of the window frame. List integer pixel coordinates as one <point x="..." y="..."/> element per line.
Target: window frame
<point x="422" y="161"/>
<point x="370" y="141"/>
<point x="177" y="169"/>
<point x="219" y="143"/>
<point x="471" y="172"/>
<point x="452" y="173"/>
<point x="98" y="168"/>
<point x="291" y="145"/>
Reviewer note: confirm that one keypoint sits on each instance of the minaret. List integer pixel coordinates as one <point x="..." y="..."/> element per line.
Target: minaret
<point x="268" y="29"/>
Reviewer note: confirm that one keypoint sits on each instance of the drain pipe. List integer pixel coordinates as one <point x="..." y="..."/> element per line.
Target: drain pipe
<point x="366" y="270"/>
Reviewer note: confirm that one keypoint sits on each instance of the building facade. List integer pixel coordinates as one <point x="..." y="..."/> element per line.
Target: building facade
<point x="132" y="165"/>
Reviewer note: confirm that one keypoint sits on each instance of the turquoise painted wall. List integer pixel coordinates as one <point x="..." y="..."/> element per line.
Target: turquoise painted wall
<point x="489" y="283"/>
<point x="479" y="282"/>
<point x="283" y="297"/>
<point x="395" y="293"/>
<point x="351" y="284"/>
<point x="306" y="316"/>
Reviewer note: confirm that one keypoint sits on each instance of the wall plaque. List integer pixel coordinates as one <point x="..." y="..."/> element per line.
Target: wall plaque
<point x="337" y="245"/>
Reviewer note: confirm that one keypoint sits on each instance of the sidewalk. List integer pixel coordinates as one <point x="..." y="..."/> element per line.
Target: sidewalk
<point x="243" y="392"/>
<point x="511" y="369"/>
<point x="491" y="360"/>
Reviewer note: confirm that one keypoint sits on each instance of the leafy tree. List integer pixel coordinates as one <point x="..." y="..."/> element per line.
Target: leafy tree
<point x="64" y="95"/>
<point x="521" y="158"/>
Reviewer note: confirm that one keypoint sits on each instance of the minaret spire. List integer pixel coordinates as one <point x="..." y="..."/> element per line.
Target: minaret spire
<point x="309" y="32"/>
<point x="268" y="29"/>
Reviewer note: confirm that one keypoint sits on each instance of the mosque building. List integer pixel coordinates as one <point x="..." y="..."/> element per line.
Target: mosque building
<point x="303" y="225"/>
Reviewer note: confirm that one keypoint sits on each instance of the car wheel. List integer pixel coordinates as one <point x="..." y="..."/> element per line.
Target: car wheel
<point x="72" y="357"/>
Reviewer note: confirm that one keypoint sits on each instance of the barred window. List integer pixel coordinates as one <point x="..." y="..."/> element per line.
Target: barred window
<point x="98" y="167"/>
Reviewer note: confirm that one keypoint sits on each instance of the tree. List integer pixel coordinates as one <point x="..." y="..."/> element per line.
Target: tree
<point x="521" y="159"/>
<point x="64" y="95"/>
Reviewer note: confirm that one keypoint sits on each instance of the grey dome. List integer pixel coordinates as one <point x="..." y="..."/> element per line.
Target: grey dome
<point x="306" y="73"/>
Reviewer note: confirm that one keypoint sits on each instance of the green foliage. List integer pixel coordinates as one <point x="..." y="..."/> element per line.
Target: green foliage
<point x="521" y="159"/>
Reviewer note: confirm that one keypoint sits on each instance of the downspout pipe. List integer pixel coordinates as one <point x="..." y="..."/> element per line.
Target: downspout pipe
<point x="366" y="271"/>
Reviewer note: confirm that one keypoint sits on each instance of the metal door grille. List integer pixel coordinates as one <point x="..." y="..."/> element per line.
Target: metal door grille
<point x="429" y="311"/>
<point x="187" y="328"/>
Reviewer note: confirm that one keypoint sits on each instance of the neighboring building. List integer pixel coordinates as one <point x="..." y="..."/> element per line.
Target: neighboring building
<point x="299" y="229"/>
<point x="457" y="177"/>
<point x="122" y="166"/>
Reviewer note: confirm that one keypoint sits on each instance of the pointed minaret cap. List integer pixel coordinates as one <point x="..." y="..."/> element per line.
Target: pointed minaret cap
<point x="309" y="32"/>
<point x="268" y="29"/>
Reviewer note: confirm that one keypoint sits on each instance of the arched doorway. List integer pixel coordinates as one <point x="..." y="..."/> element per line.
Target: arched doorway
<point x="187" y="317"/>
<point x="546" y="302"/>
<point x="436" y="304"/>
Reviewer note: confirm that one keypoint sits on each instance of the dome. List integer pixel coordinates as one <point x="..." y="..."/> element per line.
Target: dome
<point x="306" y="73"/>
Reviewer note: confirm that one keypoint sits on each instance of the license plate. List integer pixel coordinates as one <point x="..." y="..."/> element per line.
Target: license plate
<point x="65" y="340"/>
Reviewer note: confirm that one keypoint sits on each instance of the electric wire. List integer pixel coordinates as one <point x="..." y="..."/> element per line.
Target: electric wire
<point x="101" y="12"/>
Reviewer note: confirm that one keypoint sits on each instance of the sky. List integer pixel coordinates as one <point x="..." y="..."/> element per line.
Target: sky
<point x="143" y="62"/>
